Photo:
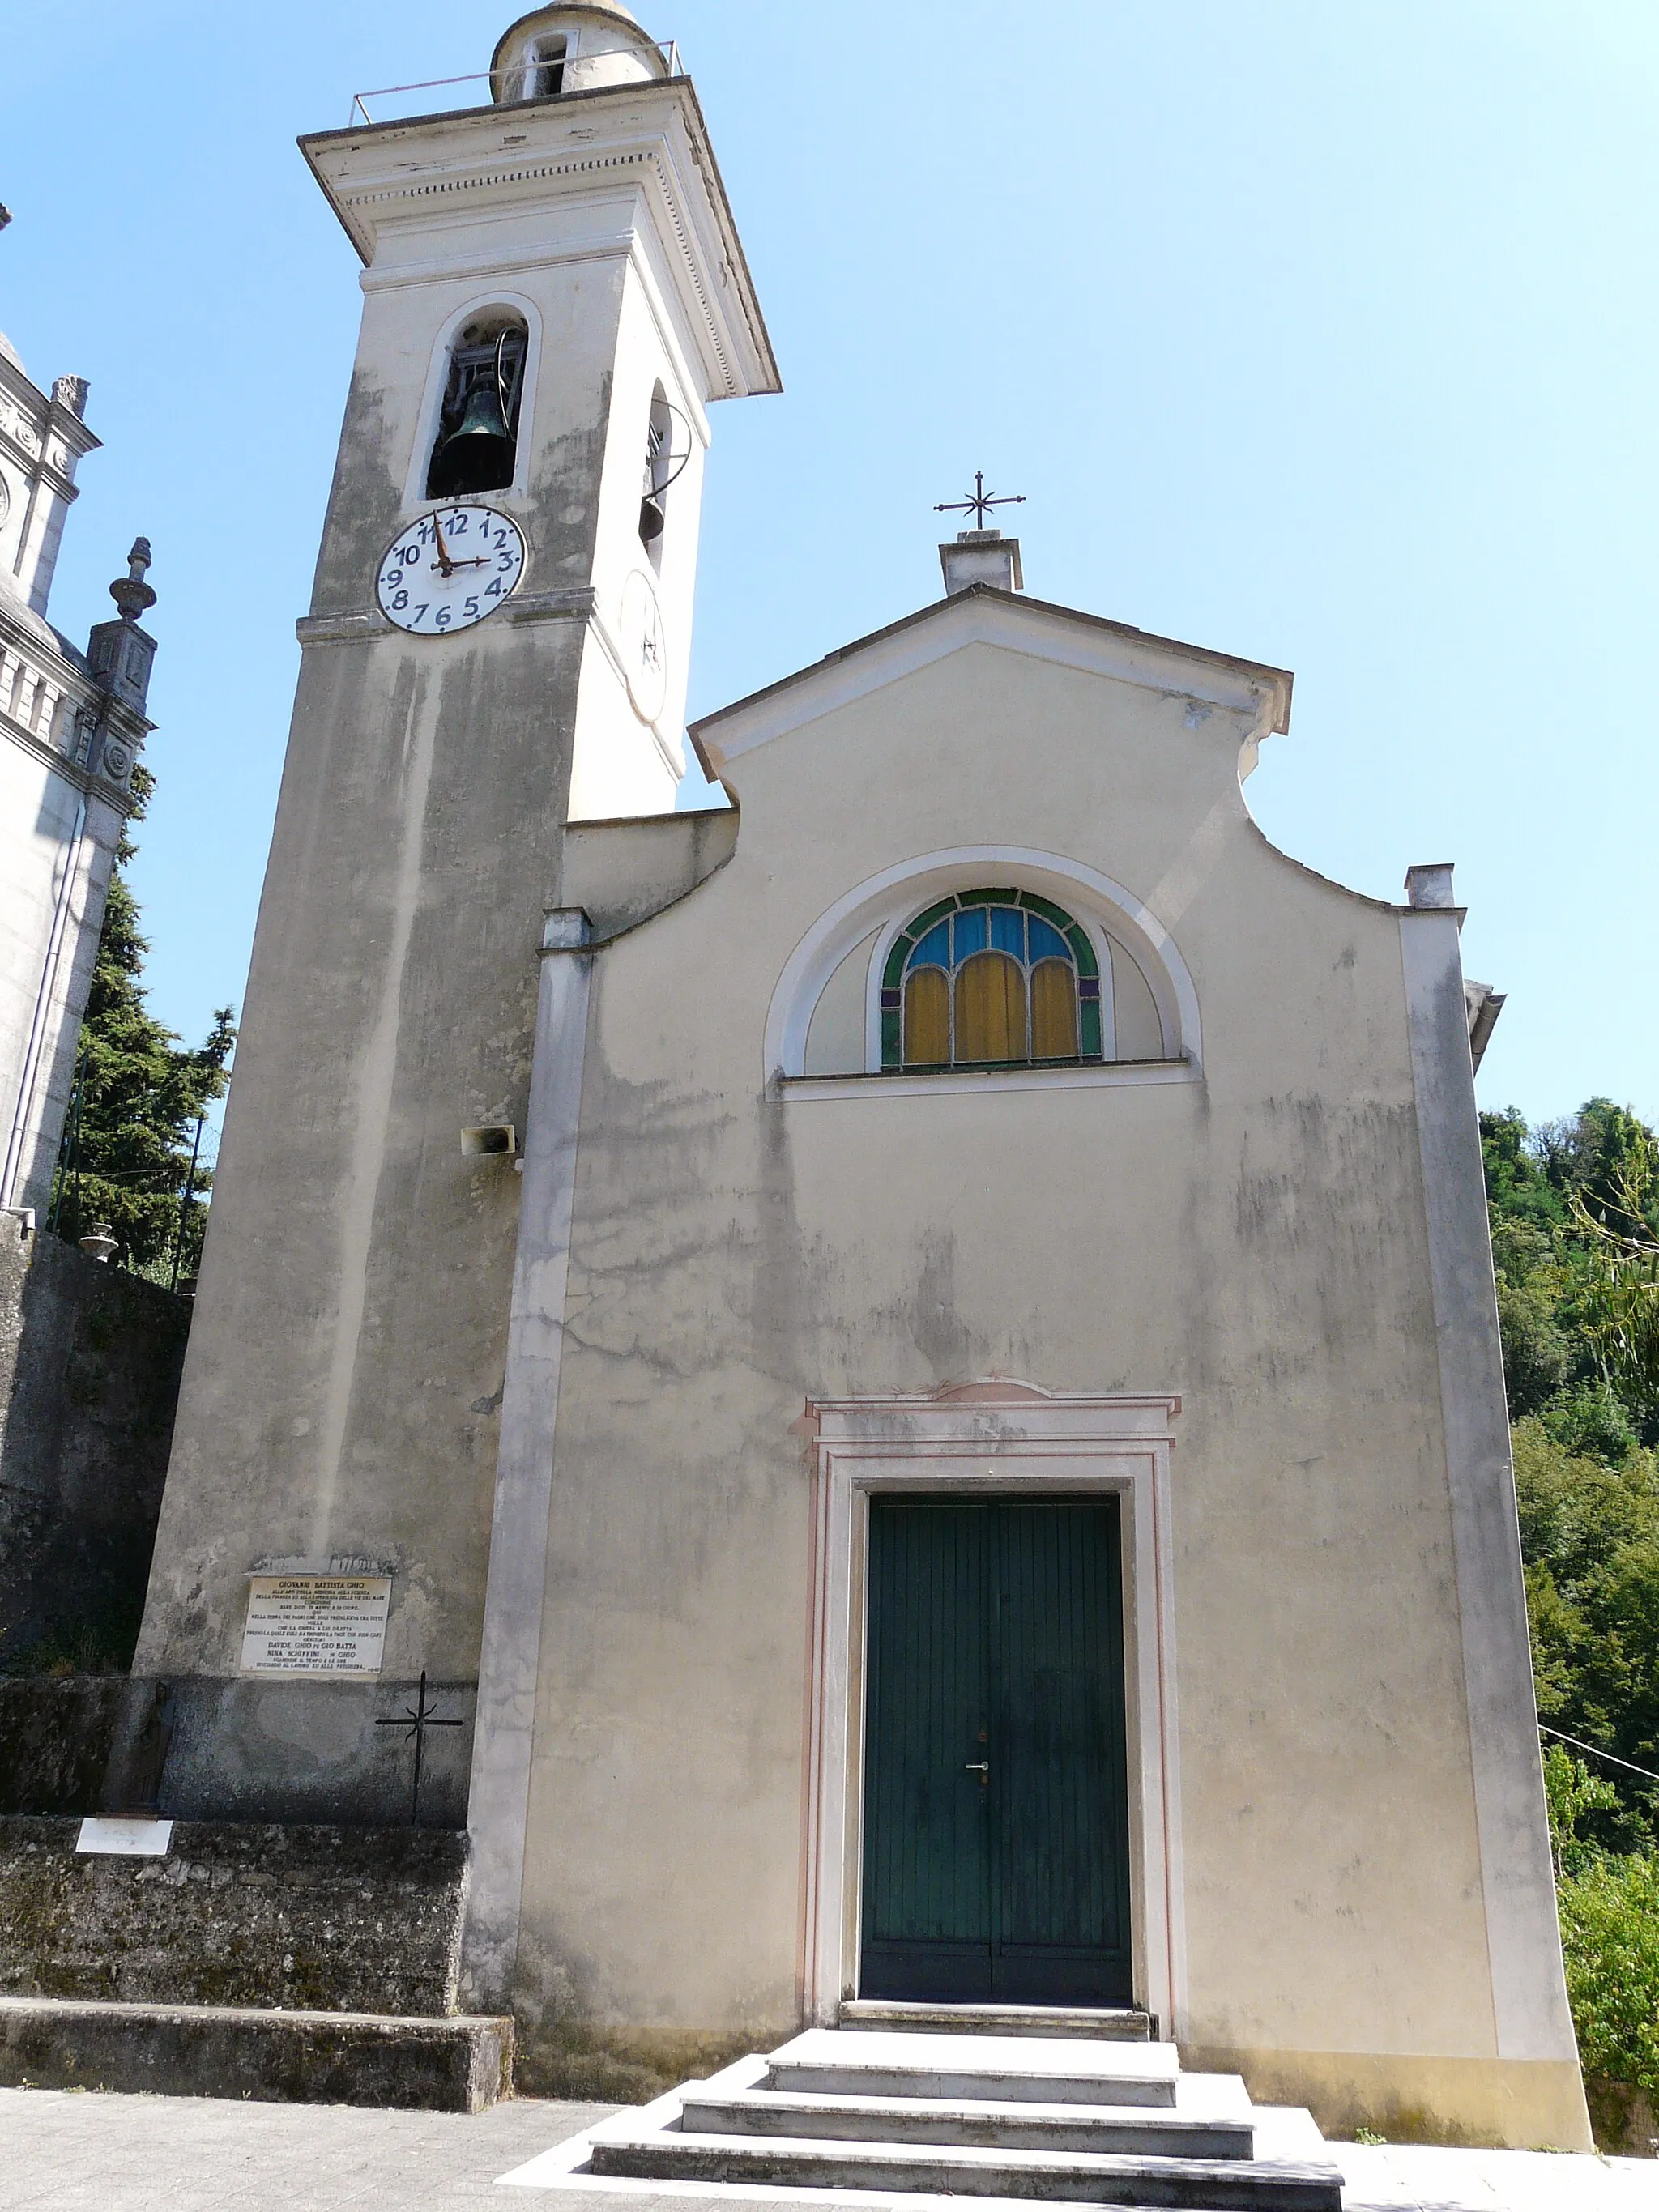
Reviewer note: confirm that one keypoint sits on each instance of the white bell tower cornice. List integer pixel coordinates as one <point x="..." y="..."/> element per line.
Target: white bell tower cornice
<point x="398" y="187"/>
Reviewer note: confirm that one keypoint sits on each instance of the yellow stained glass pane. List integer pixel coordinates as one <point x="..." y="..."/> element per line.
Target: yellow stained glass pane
<point x="1053" y="1010"/>
<point x="990" y="1008"/>
<point x="926" y="1018"/>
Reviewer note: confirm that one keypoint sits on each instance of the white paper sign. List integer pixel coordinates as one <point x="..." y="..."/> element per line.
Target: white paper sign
<point x="315" y="1623"/>
<point x="128" y="1838"/>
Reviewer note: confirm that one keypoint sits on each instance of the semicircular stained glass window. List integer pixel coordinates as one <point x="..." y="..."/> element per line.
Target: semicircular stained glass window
<point x="991" y="979"/>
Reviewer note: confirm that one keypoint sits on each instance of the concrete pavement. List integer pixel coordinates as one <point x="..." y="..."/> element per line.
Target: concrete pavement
<point x="75" y="2151"/>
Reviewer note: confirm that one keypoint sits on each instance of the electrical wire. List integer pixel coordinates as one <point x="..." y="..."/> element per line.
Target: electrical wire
<point x="1611" y="1757"/>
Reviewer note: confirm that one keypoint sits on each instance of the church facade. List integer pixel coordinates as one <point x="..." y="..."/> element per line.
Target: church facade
<point x="915" y="1357"/>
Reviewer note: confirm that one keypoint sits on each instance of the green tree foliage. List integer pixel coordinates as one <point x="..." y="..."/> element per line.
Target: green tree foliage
<point x="1610" y="1943"/>
<point x="1575" y="1221"/>
<point x="1589" y="1536"/>
<point x="1571" y="1793"/>
<point x="133" y="1121"/>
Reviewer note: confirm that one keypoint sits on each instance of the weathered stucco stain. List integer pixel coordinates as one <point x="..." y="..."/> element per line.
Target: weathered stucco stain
<point x="375" y="1075"/>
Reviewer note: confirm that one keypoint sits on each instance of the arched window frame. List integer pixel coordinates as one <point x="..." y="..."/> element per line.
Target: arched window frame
<point x="659" y="472"/>
<point x="437" y="381"/>
<point x="879" y="907"/>
<point x="1085" y="964"/>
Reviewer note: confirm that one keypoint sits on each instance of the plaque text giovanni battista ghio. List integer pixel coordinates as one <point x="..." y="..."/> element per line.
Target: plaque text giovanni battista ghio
<point x="315" y="1623"/>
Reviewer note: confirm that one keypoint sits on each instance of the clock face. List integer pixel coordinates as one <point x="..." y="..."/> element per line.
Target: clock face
<point x="644" y="647"/>
<point x="450" y="569"/>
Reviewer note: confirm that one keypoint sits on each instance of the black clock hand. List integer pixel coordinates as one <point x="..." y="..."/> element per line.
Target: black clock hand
<point x="444" y="560"/>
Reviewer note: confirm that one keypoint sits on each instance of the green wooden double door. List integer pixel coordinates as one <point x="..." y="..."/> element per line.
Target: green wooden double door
<point x="996" y="1804"/>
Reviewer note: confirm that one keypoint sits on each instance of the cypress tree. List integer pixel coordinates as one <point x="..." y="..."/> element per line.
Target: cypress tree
<point x="133" y="1121"/>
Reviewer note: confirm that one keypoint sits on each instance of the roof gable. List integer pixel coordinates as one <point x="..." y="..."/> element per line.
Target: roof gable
<point x="986" y="615"/>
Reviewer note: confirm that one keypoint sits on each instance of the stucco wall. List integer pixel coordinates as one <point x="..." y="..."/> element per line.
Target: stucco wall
<point x="1254" y="1241"/>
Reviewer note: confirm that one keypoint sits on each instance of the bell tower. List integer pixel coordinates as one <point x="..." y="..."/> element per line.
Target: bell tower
<point x="555" y="294"/>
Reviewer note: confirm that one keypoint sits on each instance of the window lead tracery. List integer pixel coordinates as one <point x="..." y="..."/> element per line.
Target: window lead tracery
<point x="991" y="979"/>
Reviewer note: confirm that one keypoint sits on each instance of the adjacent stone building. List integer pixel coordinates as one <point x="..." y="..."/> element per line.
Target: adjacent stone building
<point x="71" y="723"/>
<point x="917" y="1355"/>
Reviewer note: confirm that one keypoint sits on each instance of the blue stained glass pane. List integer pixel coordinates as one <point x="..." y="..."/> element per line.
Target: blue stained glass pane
<point x="1047" y="943"/>
<point x="971" y="933"/>
<point x="1008" y="931"/>
<point x="935" y="950"/>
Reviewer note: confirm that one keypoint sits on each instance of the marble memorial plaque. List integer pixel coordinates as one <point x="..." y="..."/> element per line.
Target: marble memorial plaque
<point x="315" y="1623"/>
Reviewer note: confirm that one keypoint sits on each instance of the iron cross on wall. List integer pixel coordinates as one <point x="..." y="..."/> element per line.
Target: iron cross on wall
<point x="417" y="1719"/>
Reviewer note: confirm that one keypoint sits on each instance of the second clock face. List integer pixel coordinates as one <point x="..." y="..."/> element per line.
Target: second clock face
<point x="450" y="569"/>
<point x="645" y="649"/>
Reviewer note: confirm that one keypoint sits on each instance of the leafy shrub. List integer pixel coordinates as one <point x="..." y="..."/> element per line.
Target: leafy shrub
<point x="1610" y="1942"/>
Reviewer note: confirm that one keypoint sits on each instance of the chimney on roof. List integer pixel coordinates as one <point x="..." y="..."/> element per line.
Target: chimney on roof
<point x="982" y="556"/>
<point x="1430" y="884"/>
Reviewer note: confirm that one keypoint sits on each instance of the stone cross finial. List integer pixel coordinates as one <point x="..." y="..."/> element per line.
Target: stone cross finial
<point x="130" y="593"/>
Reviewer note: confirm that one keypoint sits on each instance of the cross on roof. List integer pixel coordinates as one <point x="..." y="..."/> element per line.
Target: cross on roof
<point x="979" y="502"/>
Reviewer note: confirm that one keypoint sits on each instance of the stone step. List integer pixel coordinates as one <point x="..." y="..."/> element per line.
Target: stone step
<point x="986" y="2068"/>
<point x="1124" y="2024"/>
<point x="458" y="2064"/>
<point x="937" y="2120"/>
<point x="1047" y="2177"/>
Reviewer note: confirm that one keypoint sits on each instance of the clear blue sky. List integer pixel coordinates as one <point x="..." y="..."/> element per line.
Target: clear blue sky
<point x="1321" y="334"/>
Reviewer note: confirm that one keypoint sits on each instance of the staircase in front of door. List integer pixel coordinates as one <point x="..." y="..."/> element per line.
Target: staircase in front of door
<point x="881" y="2104"/>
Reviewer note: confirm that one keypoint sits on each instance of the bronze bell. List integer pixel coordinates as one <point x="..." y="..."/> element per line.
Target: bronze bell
<point x="650" y="518"/>
<point x="477" y="454"/>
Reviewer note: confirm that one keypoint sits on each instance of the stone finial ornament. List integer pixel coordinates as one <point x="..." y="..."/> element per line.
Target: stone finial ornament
<point x="130" y="593"/>
<point x="71" y="392"/>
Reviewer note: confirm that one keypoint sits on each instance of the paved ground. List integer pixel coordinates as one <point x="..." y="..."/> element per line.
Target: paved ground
<point x="72" y="2151"/>
<point x="1407" y="2180"/>
<point x="79" y="2151"/>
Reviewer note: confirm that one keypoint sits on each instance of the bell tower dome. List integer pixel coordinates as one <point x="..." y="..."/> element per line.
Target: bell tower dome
<point x="577" y="48"/>
<point x="554" y="295"/>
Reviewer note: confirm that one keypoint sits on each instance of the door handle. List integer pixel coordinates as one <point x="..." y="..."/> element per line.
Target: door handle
<point x="978" y="1766"/>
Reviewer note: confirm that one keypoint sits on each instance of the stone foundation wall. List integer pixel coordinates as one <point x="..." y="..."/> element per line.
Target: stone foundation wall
<point x="55" y="1734"/>
<point x="1625" y="2119"/>
<point x="90" y="1360"/>
<point x="322" y="1919"/>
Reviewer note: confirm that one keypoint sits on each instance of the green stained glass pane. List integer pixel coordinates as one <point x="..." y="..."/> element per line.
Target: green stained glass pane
<point x="1089" y="1010"/>
<point x="893" y="974"/>
<point x="889" y="1037"/>
<point x="1048" y="909"/>
<point x="988" y="898"/>
<point x="1078" y="938"/>
<point x="933" y="914"/>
